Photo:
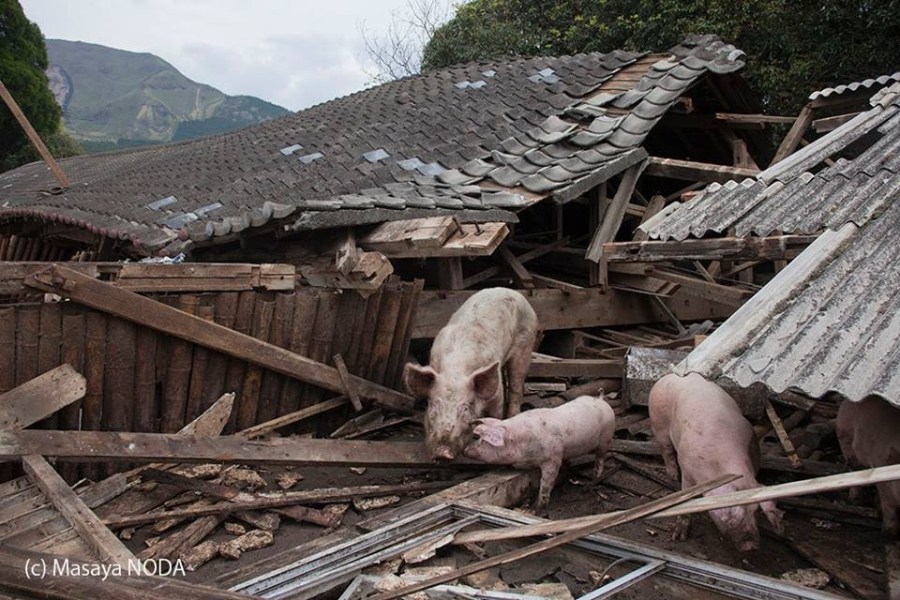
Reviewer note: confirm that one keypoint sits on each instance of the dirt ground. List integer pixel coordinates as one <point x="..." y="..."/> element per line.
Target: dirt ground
<point x="856" y="550"/>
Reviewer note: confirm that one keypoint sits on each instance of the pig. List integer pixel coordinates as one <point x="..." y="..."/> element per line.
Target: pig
<point x="868" y="432"/>
<point x="543" y="437"/>
<point x="494" y="329"/>
<point x="701" y="430"/>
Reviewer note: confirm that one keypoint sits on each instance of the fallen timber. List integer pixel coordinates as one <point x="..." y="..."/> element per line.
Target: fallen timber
<point x="89" y="446"/>
<point x="145" y="311"/>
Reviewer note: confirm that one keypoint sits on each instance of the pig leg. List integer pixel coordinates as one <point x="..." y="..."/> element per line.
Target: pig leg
<point x="516" y="371"/>
<point x="549" y="473"/>
<point x="599" y="459"/>
<point x="682" y="523"/>
<point x="889" y="509"/>
<point x="670" y="458"/>
<point x="774" y="516"/>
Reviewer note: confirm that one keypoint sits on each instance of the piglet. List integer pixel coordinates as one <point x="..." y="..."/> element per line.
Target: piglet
<point x="543" y="437"/>
<point x="701" y="429"/>
<point x="495" y="328"/>
<point x="869" y="435"/>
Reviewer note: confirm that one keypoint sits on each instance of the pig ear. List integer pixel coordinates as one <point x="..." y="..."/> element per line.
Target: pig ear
<point x="418" y="380"/>
<point x="486" y="382"/>
<point x="493" y="435"/>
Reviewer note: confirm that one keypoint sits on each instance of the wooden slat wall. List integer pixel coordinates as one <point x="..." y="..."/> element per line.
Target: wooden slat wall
<point x="141" y="380"/>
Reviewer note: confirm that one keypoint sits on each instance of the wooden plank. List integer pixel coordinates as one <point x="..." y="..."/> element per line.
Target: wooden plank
<point x="385" y="330"/>
<point x="522" y="258"/>
<point x="704" y="289"/>
<point x="118" y="388"/>
<point x="322" y="340"/>
<point x="150" y="313"/>
<point x="234" y="375"/>
<point x="304" y="318"/>
<point x="270" y="391"/>
<point x="738" y="119"/>
<point x="409" y="237"/>
<point x="786" y="442"/>
<point x="827" y="124"/>
<point x="656" y="204"/>
<point x="197" y="387"/>
<point x="750" y="496"/>
<point x="766" y="461"/>
<point x="518" y="271"/>
<point x="72" y="353"/>
<point x="557" y="309"/>
<point x="549" y="366"/>
<point x="598" y="524"/>
<point x="612" y="219"/>
<point x="348" y="385"/>
<point x="40" y="397"/>
<point x="173" y="404"/>
<point x="49" y="345"/>
<point x="792" y="140"/>
<point x="83" y="520"/>
<point x="400" y="348"/>
<point x="450" y="273"/>
<point x="224" y="310"/>
<point x="146" y="402"/>
<point x="293" y="417"/>
<point x="317" y="496"/>
<point x="690" y="170"/>
<point x="148" y="447"/>
<point x="248" y="401"/>
<point x="768" y="248"/>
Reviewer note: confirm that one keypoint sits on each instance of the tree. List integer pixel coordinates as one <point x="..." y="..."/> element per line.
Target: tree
<point x="398" y="53"/>
<point x="793" y="47"/>
<point x="23" y="59"/>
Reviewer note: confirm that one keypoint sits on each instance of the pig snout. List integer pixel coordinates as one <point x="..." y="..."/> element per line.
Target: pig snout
<point x="443" y="453"/>
<point x="738" y="524"/>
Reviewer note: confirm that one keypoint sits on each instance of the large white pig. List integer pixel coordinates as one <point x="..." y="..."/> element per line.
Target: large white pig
<point x="492" y="330"/>
<point x="544" y="437"/>
<point x="701" y="429"/>
<point x="869" y="434"/>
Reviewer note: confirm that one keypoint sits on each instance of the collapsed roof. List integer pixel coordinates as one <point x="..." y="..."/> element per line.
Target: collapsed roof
<point x="476" y="140"/>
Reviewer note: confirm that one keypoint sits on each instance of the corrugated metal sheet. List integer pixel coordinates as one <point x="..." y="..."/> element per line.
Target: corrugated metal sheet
<point x="865" y="84"/>
<point x="797" y="195"/>
<point x="830" y="321"/>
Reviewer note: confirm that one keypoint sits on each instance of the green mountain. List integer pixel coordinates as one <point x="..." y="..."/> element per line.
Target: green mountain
<point x="113" y="99"/>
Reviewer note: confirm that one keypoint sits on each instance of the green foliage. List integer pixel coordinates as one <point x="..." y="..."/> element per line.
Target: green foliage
<point x="793" y="47"/>
<point x="60" y="145"/>
<point x="23" y="58"/>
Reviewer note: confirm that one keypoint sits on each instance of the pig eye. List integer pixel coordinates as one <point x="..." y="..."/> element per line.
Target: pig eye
<point x="476" y="436"/>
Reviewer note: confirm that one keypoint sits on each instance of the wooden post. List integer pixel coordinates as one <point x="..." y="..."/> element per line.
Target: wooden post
<point x="36" y="140"/>
<point x="612" y="220"/>
<point x="793" y="137"/>
<point x="450" y="273"/>
<point x="598" y="205"/>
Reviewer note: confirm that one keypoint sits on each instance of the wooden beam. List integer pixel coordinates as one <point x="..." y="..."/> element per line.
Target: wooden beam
<point x="557" y="309"/>
<point x="450" y="273"/>
<point x="290" y="418"/>
<point x="40" y="397"/>
<point x="318" y="496"/>
<point x="612" y="219"/>
<point x="731" y="248"/>
<point x="831" y="123"/>
<point x="550" y="366"/>
<point x="435" y="237"/>
<point x="780" y="431"/>
<point x="152" y="277"/>
<point x="89" y="446"/>
<point x="751" y="496"/>
<point x="518" y="271"/>
<point x="33" y="136"/>
<point x="148" y="312"/>
<point x="348" y="383"/>
<point x="522" y="258"/>
<point x="704" y="289"/>
<point x="792" y="140"/>
<point x="598" y="524"/>
<point x="690" y="170"/>
<point x="108" y="547"/>
<point x="656" y="204"/>
<point x="766" y="461"/>
<point x="739" y="119"/>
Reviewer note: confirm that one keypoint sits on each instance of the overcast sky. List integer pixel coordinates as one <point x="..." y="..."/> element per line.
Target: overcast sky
<point x="295" y="53"/>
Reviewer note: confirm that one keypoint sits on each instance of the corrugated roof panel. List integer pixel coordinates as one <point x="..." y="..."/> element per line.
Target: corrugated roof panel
<point x="830" y="321"/>
<point x="793" y="197"/>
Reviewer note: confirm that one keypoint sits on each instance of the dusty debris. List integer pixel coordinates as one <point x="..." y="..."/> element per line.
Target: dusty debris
<point x="363" y="504"/>
<point x="489" y="579"/>
<point x="551" y="591"/>
<point x="199" y="555"/>
<point x="145" y="486"/>
<point x="127" y="533"/>
<point x="267" y="521"/>
<point x="289" y="479"/>
<point x="243" y="478"/>
<point x="234" y="528"/>
<point x="811" y="578"/>
<point x="201" y="471"/>
<point x="252" y="540"/>
<point x="358" y="470"/>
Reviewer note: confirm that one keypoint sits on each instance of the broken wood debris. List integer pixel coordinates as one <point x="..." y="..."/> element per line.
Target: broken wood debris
<point x="144" y="311"/>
